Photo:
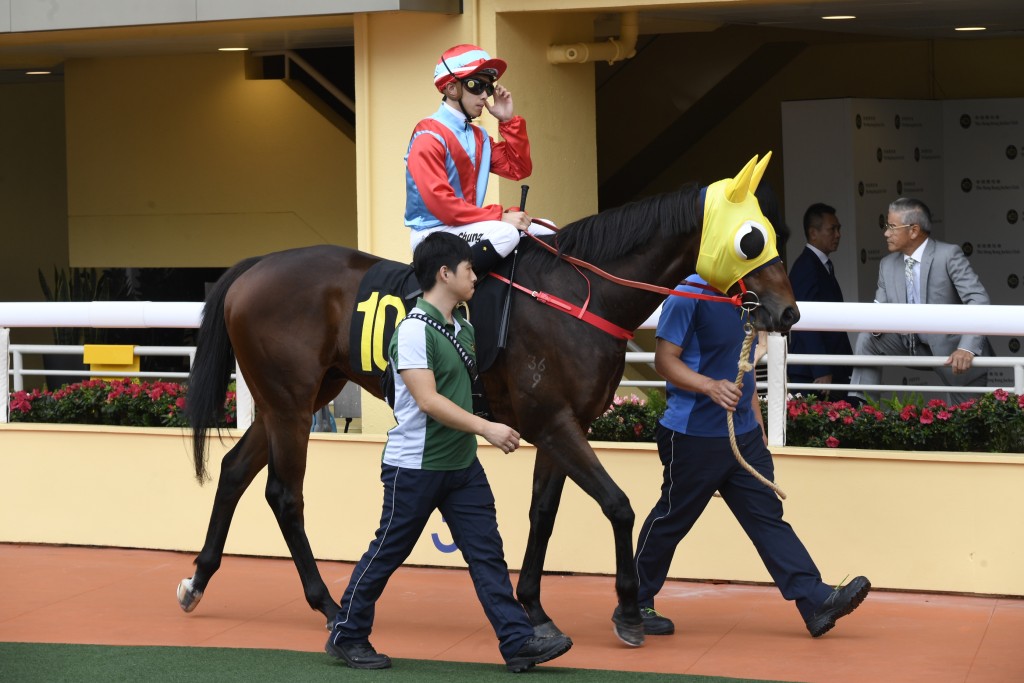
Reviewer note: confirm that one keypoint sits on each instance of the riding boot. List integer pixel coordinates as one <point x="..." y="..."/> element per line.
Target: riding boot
<point x="485" y="257"/>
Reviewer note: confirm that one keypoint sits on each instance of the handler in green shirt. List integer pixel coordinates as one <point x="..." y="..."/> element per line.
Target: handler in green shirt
<point x="430" y="463"/>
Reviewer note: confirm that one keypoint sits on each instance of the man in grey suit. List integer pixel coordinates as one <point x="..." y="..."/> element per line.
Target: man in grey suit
<point x="923" y="270"/>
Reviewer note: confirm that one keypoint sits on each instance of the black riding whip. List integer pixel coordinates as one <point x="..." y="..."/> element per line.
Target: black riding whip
<point x="507" y="308"/>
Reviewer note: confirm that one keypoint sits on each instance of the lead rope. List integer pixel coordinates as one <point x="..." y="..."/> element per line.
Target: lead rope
<point x="746" y="366"/>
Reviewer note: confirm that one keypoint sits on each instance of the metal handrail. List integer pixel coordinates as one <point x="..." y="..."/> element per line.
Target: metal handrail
<point x="292" y="56"/>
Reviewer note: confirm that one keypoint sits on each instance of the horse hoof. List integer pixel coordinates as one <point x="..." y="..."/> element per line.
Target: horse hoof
<point x="630" y="634"/>
<point x="188" y="597"/>
<point x="547" y="630"/>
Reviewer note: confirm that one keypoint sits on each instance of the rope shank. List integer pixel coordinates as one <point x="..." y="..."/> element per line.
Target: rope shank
<point x="745" y="366"/>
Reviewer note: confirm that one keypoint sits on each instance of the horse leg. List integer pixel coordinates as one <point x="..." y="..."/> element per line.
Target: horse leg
<point x="548" y="482"/>
<point x="580" y="463"/>
<point x="239" y="467"/>
<point x="285" y="475"/>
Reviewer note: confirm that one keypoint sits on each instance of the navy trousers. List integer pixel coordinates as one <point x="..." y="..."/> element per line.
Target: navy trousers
<point x="696" y="467"/>
<point x="465" y="499"/>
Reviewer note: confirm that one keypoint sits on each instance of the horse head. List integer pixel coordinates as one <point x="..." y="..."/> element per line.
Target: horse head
<point x="738" y="251"/>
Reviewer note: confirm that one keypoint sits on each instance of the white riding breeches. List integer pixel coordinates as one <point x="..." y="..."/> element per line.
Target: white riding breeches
<point x="503" y="236"/>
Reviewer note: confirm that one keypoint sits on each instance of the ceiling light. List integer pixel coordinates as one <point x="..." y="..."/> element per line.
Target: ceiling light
<point x="969" y="28"/>
<point x="37" y="73"/>
<point x="839" y="17"/>
<point x="232" y="49"/>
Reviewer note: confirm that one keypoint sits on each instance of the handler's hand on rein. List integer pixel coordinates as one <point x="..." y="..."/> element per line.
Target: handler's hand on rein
<point x="724" y="393"/>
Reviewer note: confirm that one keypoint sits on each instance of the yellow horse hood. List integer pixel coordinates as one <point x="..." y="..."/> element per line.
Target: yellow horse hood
<point x="736" y="237"/>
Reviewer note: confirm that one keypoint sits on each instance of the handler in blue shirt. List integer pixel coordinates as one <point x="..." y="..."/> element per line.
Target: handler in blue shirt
<point x="698" y="349"/>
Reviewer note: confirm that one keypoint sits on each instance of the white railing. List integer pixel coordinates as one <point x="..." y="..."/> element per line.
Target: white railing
<point x="102" y="314"/>
<point x="19" y="372"/>
<point x="846" y="317"/>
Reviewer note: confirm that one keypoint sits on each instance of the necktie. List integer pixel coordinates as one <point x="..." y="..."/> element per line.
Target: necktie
<point x="830" y="268"/>
<point x="908" y="272"/>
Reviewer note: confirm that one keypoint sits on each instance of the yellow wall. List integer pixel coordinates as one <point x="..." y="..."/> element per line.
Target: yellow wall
<point x="933" y="522"/>
<point x="180" y="161"/>
<point x="33" y="193"/>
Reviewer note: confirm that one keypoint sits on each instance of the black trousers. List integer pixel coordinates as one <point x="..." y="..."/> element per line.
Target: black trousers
<point x="694" y="468"/>
<point x="465" y="499"/>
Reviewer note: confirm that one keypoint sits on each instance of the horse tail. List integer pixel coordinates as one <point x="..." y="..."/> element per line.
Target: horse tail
<point x="211" y="370"/>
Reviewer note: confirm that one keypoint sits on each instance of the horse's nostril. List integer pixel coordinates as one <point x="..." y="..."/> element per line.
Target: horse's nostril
<point x="790" y="316"/>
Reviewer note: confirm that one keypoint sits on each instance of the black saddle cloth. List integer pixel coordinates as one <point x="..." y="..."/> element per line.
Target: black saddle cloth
<point x="386" y="293"/>
<point x="389" y="291"/>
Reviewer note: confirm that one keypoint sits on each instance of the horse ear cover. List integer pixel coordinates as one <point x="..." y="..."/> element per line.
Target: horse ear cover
<point x="731" y="216"/>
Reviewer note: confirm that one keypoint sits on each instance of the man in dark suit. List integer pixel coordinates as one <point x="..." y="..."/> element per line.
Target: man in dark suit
<point x="923" y="270"/>
<point x="813" y="279"/>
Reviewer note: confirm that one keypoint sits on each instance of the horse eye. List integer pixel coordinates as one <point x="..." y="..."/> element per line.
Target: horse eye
<point x="750" y="240"/>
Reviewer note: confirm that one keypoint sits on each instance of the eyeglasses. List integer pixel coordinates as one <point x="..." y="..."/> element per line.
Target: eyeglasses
<point x="477" y="86"/>
<point x="474" y="86"/>
<point x="886" y="227"/>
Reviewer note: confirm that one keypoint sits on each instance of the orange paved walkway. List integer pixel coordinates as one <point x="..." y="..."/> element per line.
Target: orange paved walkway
<point x="127" y="597"/>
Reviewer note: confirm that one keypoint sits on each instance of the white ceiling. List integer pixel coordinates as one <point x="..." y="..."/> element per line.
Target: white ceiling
<point x="884" y="19"/>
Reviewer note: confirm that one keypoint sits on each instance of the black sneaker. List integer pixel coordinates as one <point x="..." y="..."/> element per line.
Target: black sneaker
<point x="537" y="650"/>
<point x="357" y="654"/>
<point x="654" y="623"/>
<point x="843" y="600"/>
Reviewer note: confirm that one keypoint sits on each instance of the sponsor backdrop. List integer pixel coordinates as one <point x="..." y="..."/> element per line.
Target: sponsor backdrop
<point x="963" y="158"/>
<point x="984" y="174"/>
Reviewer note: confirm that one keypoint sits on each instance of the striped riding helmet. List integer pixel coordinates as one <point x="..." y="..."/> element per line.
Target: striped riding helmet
<point x="462" y="61"/>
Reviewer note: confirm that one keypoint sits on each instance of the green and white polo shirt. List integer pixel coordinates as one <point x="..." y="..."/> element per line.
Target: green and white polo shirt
<point x="418" y="441"/>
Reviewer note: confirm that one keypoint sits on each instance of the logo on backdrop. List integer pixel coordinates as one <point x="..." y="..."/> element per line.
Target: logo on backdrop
<point x="878" y="154"/>
<point x="965" y="121"/>
<point x="1011" y="151"/>
<point x="860" y="189"/>
<point x="858" y="122"/>
<point x="967" y="248"/>
<point x="1014" y="345"/>
<point x="863" y="256"/>
<point x="1012" y="281"/>
<point x="966" y="185"/>
<point x="897" y="121"/>
<point x="1011" y="216"/>
<point x="899" y="187"/>
<point x="917" y="154"/>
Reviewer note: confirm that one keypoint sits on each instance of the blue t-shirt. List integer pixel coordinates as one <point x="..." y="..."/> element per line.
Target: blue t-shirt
<point x="711" y="336"/>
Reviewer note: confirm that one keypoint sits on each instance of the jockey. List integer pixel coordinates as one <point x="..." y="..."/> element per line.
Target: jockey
<point x="449" y="160"/>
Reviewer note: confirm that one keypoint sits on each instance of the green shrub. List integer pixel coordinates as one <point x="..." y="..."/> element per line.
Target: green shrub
<point x="630" y="418"/>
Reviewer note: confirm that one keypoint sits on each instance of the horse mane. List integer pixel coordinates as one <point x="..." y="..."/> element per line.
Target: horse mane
<point x="615" y="232"/>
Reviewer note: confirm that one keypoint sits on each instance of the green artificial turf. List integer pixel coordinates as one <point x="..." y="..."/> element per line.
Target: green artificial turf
<point x="49" y="663"/>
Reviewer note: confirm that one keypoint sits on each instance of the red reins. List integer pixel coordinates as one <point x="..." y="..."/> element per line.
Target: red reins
<point x="736" y="300"/>
<point x="595" y="320"/>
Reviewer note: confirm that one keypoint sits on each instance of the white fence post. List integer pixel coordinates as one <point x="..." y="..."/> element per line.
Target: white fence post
<point x="5" y="369"/>
<point x="776" y="357"/>
<point x="244" y="407"/>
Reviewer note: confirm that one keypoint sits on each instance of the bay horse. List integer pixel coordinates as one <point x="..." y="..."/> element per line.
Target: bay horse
<point x="285" y="317"/>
